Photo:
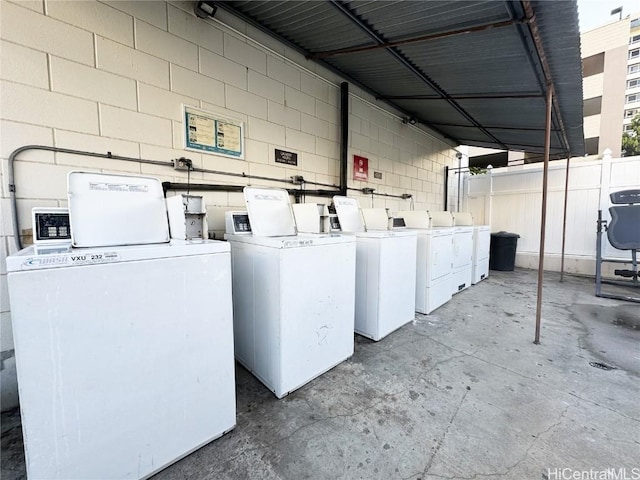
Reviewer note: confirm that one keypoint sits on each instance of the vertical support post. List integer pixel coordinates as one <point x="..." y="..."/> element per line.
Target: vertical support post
<point x="446" y="187"/>
<point x="344" y="135"/>
<point x="564" y="219"/>
<point x="543" y="219"/>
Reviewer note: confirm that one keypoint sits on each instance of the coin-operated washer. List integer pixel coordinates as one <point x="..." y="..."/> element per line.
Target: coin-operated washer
<point x="435" y="257"/>
<point x="461" y="274"/>
<point x="481" y="245"/>
<point x="293" y="295"/>
<point x="385" y="269"/>
<point x="123" y="340"/>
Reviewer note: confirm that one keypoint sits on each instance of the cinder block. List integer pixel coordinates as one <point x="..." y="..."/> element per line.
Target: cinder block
<point x="385" y="136"/>
<point x="19" y="24"/>
<point x="278" y="113"/>
<point x="41" y="107"/>
<point x="153" y="12"/>
<point x="245" y="54"/>
<point x="87" y="82"/>
<point x="95" y="17"/>
<point x="134" y="126"/>
<point x="327" y="148"/>
<point x="165" y="45"/>
<point x="327" y="112"/>
<point x="416" y="184"/>
<point x="163" y="103"/>
<point x="355" y="123"/>
<point x="268" y="171"/>
<point x="245" y="102"/>
<point x="264" y="131"/>
<point x="300" y="141"/>
<point x="256" y="151"/>
<point x="266" y="87"/>
<point x="15" y="135"/>
<point x="23" y="65"/>
<point x="300" y="101"/>
<point x="360" y="109"/>
<point x="35" y="5"/>
<point x="130" y="63"/>
<point x="195" y="85"/>
<point x="316" y="164"/>
<point x="283" y="72"/>
<point x="359" y="142"/>
<point x="193" y="29"/>
<point x="315" y="126"/>
<point x="314" y="86"/>
<point x="40" y="181"/>
<point x="92" y="143"/>
<point x="216" y="66"/>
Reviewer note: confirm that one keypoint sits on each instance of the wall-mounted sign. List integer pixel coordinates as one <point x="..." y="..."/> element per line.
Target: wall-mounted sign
<point x="288" y="158"/>
<point x="210" y="133"/>
<point x="377" y="175"/>
<point x="360" y="168"/>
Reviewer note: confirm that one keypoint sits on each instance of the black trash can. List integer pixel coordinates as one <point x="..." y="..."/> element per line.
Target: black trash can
<point x="502" y="253"/>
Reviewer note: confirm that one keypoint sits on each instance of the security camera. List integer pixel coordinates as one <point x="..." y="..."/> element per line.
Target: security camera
<point x="205" y="9"/>
<point x="458" y="155"/>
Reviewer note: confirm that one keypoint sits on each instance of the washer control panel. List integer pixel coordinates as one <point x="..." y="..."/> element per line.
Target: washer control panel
<point x="51" y="225"/>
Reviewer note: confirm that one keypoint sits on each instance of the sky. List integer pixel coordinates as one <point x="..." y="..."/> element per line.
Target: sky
<point x="594" y="13"/>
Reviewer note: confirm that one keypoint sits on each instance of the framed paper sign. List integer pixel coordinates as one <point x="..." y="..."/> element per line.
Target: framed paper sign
<point x="210" y="133"/>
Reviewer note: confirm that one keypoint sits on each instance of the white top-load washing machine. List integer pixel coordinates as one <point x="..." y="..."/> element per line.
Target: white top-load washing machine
<point x="124" y="353"/>
<point x="385" y="269"/>
<point x="293" y="295"/>
<point x="435" y="257"/>
<point x="481" y="244"/>
<point x="462" y="251"/>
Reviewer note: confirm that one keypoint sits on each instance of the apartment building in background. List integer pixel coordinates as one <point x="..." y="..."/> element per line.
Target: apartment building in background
<point x="611" y="83"/>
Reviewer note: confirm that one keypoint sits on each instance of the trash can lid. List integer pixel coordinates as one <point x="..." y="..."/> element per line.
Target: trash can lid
<point x="505" y="234"/>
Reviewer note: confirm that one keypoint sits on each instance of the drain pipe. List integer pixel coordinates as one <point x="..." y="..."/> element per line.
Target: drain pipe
<point x="344" y="135"/>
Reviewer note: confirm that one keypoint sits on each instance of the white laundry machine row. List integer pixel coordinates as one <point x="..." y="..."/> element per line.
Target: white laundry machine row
<point x="461" y="273"/>
<point x="293" y="295"/>
<point x="385" y="269"/>
<point x="434" y="259"/>
<point x="124" y="353"/>
<point x="481" y="245"/>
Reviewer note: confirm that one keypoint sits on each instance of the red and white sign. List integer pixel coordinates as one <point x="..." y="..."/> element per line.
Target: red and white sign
<point x="360" y="168"/>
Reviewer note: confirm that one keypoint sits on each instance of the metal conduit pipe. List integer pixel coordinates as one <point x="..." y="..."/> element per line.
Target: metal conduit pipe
<point x="344" y="135"/>
<point x="12" y="187"/>
<point x="208" y="187"/>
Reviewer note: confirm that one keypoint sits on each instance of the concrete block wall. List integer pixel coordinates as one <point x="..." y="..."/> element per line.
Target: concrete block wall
<point x="112" y="76"/>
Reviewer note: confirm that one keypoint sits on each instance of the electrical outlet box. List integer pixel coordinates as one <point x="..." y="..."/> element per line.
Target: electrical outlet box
<point x="182" y="164"/>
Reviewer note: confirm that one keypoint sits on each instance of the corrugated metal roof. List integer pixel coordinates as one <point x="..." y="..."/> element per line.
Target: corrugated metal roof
<point x="466" y="76"/>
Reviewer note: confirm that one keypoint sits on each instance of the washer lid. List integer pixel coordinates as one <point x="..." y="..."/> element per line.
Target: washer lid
<point x="269" y="212"/>
<point x="108" y="210"/>
<point x="349" y="214"/>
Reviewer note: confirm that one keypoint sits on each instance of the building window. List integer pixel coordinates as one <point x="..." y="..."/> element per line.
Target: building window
<point x="632" y="98"/>
<point x="593" y="65"/>
<point x="634" y="39"/>
<point x="635" y="68"/>
<point x="591" y="145"/>
<point x="630" y="113"/>
<point x="635" y="53"/>
<point x="633" y="83"/>
<point x="592" y="106"/>
<point x="628" y="127"/>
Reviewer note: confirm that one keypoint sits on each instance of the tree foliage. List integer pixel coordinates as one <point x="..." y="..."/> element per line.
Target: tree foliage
<point x="631" y="139"/>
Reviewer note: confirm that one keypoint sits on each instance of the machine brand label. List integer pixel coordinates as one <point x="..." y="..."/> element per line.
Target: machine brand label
<point x="94" y="258"/>
<point x="68" y="260"/>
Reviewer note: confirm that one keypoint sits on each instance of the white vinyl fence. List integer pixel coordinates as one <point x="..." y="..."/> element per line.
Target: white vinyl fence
<point x="510" y="199"/>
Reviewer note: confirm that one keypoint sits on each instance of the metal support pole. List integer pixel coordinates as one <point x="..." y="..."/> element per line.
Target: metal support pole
<point x="446" y="187"/>
<point x="564" y="220"/>
<point x="344" y="135"/>
<point x="543" y="219"/>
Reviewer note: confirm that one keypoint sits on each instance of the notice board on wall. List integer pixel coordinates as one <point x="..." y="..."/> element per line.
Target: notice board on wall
<point x="360" y="168"/>
<point x="209" y="132"/>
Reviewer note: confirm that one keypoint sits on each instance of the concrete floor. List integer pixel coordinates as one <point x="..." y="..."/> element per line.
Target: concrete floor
<point x="462" y="393"/>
